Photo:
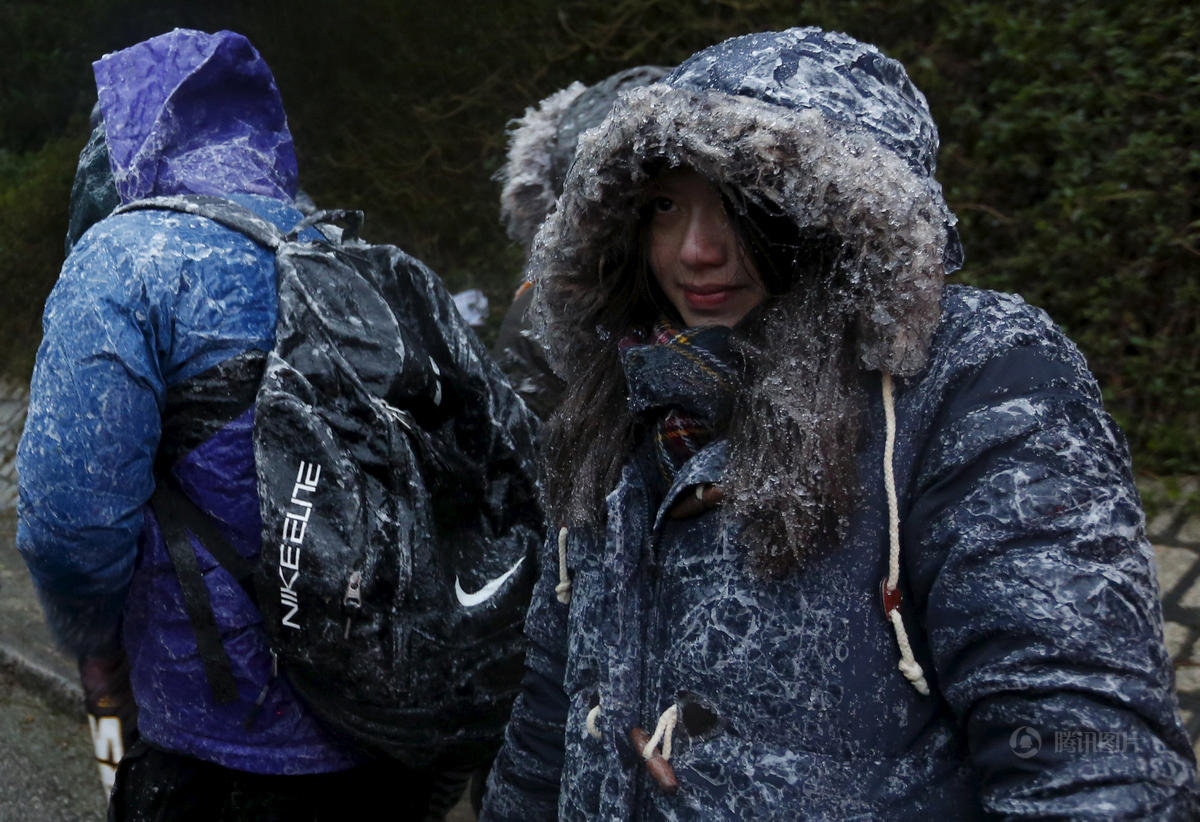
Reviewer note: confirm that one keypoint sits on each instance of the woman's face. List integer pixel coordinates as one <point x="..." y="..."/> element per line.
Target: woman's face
<point x="695" y="253"/>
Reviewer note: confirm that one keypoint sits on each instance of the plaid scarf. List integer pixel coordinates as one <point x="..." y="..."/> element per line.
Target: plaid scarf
<point x="683" y="384"/>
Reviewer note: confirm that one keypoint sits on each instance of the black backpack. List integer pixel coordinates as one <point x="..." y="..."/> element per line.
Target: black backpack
<point x="398" y="498"/>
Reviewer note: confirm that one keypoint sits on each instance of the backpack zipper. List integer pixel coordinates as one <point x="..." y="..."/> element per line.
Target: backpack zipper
<point x="353" y="598"/>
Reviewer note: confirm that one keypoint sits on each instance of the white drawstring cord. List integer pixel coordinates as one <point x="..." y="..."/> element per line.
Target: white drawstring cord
<point x="592" y="715"/>
<point x="563" y="592"/>
<point x="662" y="732"/>
<point x="908" y="663"/>
<point x="889" y="482"/>
<point x="563" y="589"/>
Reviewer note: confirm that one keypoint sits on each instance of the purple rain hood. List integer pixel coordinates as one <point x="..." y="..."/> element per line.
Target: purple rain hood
<point x="169" y="134"/>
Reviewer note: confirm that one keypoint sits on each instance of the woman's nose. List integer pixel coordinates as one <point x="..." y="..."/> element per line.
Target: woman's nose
<point x="706" y="242"/>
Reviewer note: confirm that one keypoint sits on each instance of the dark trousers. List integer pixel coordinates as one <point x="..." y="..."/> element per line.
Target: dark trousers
<point x="153" y="785"/>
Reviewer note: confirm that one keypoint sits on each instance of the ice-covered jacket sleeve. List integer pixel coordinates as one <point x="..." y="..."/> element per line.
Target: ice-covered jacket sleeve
<point x="524" y="781"/>
<point x="86" y="456"/>
<point x="523" y="360"/>
<point x="1025" y="541"/>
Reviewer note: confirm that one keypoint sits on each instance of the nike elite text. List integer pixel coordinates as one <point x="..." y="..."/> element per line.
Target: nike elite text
<point x="295" y="524"/>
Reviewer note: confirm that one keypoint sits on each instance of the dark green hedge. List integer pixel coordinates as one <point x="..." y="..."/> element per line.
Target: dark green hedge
<point x="1069" y="135"/>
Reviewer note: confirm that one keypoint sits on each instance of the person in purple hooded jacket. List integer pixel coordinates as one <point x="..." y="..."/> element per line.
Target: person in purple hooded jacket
<point x="154" y="341"/>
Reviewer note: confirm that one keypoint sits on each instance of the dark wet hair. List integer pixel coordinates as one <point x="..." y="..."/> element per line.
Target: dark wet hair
<point x="783" y="253"/>
<point x="791" y="477"/>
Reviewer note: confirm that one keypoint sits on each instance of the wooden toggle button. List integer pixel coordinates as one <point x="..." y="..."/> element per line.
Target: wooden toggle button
<point x="660" y="769"/>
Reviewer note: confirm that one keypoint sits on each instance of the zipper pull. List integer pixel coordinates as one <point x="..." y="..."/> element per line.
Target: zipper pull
<point x="353" y="599"/>
<point x="252" y="714"/>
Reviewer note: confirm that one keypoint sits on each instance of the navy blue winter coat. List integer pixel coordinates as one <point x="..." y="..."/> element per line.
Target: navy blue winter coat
<point x="1028" y="587"/>
<point x="154" y="341"/>
<point x="1029" y="592"/>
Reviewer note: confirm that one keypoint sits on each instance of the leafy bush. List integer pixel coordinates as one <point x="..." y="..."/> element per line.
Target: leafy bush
<point x="1072" y="160"/>
<point x="33" y="204"/>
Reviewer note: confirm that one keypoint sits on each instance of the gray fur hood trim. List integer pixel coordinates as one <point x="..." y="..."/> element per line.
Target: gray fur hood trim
<point x="528" y="179"/>
<point x="839" y="173"/>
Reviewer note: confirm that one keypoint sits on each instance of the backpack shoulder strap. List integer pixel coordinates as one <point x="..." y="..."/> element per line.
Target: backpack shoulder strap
<point x="225" y="212"/>
<point x="177" y="516"/>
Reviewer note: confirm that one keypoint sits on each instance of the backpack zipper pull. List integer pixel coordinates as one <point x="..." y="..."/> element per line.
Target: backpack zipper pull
<point x="437" y="383"/>
<point x="252" y="714"/>
<point x="353" y="599"/>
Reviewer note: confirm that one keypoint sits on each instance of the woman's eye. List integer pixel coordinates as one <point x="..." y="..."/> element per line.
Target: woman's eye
<point x="662" y="205"/>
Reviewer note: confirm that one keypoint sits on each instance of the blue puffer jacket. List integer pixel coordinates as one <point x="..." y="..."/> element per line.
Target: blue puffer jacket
<point x="1028" y="590"/>
<point x="154" y="340"/>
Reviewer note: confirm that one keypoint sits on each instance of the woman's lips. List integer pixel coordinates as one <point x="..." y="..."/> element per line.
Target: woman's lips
<point x="703" y="297"/>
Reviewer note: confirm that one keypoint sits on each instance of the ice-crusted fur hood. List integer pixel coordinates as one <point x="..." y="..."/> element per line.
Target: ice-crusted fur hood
<point x="528" y="191"/>
<point x="812" y="127"/>
<point x="816" y="125"/>
<point x="542" y="145"/>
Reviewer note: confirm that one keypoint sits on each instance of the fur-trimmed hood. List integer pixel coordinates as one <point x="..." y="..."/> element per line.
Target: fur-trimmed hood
<point x="815" y="125"/>
<point x="529" y="187"/>
<point x="542" y="145"/>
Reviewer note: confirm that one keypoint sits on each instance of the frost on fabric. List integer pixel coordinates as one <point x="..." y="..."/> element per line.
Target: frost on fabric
<point x="846" y="81"/>
<point x="1021" y="522"/>
<point x="162" y="142"/>
<point x="1028" y="587"/>
<point x="426" y="458"/>
<point x="871" y="186"/>
<point x="1059" y="470"/>
<point x="97" y="398"/>
<point x="528" y="193"/>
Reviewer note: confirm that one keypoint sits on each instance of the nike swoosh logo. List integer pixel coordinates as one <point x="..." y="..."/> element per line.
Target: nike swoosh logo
<point x="483" y="594"/>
